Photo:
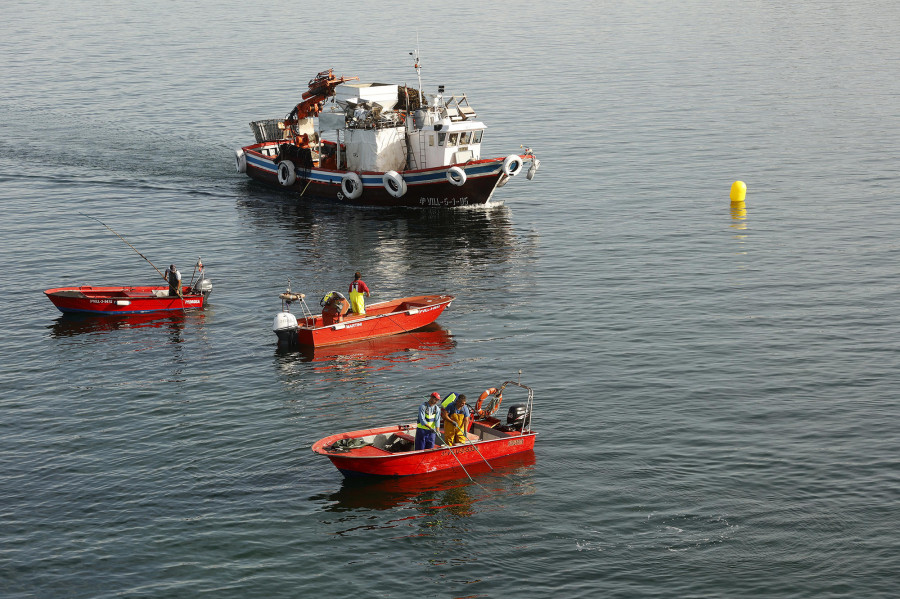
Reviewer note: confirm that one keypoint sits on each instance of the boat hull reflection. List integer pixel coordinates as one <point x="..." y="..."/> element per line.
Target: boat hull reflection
<point x="389" y="493"/>
<point x="431" y="338"/>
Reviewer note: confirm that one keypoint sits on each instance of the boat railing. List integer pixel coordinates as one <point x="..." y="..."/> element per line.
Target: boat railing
<point x="529" y="403"/>
<point x="270" y="130"/>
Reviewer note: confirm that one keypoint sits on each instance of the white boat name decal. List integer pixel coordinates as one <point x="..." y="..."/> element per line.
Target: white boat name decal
<point x="515" y="442"/>
<point x="464" y="201"/>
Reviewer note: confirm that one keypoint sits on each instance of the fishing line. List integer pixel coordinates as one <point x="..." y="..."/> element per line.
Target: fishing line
<point x="126" y="243"/>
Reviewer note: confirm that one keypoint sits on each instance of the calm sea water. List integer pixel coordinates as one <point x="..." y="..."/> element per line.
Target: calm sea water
<point x="715" y="388"/>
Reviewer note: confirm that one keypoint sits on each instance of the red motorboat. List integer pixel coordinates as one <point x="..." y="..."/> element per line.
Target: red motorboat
<point x="87" y="299"/>
<point x="333" y="327"/>
<point x="389" y="450"/>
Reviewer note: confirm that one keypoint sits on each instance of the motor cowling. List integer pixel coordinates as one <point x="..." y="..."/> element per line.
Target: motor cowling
<point x="285" y="327"/>
<point x="203" y="287"/>
<point x="515" y="417"/>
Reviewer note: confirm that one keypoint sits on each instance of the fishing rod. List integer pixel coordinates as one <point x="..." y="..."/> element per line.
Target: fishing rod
<point x="126" y="243"/>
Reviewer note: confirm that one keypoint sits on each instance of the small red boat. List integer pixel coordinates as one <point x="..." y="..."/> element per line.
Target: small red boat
<point x="381" y="319"/>
<point x="125" y="300"/>
<point x="389" y="450"/>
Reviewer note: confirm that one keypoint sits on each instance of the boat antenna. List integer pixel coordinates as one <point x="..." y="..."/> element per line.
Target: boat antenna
<point x="418" y="66"/>
<point x="126" y="243"/>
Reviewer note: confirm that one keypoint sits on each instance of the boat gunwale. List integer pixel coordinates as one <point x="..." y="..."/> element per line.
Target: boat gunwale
<point x="429" y="169"/>
<point x="352" y="318"/>
<point x="106" y="291"/>
<point x="319" y="446"/>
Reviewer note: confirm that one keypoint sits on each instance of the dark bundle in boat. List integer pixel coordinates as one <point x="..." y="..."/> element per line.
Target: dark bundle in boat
<point x="408" y="98"/>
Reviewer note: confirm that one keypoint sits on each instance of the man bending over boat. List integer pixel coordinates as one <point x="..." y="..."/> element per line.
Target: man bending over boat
<point x="456" y="421"/>
<point x="334" y="308"/>
<point x="357" y="289"/>
<point x="174" y="278"/>
<point x="427" y="422"/>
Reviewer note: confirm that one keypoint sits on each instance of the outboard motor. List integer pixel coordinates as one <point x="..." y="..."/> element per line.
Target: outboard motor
<point x="285" y="327"/>
<point x="203" y="286"/>
<point x="285" y="324"/>
<point x="515" y="418"/>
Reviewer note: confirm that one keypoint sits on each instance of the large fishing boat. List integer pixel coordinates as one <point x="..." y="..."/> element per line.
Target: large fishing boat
<point x="390" y="450"/>
<point x="378" y="144"/>
<point x="337" y="325"/>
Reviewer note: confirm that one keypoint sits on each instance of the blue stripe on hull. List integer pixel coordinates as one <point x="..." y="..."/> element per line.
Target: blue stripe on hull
<point x="117" y="312"/>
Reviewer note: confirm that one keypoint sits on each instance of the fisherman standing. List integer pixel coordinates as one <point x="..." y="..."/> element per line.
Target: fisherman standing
<point x="456" y="421"/>
<point x="174" y="278"/>
<point x="427" y="422"/>
<point x="357" y="289"/>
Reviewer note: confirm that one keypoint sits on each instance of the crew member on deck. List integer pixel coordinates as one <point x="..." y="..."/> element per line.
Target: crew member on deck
<point x="427" y="422"/>
<point x="174" y="278"/>
<point x="456" y="421"/>
<point x="358" y="288"/>
<point x="336" y="305"/>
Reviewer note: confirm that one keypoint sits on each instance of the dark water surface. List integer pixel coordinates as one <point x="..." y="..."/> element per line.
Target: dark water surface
<point x="716" y="389"/>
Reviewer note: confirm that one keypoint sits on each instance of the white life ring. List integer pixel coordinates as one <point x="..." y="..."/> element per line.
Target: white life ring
<point x="456" y="175"/>
<point x="287" y="174"/>
<point x="240" y="161"/>
<point x="351" y="185"/>
<point x="512" y="164"/>
<point x="394" y="183"/>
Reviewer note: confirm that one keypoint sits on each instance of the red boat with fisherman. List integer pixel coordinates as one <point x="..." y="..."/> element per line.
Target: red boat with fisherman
<point x="87" y="299"/>
<point x="121" y="299"/>
<point x="390" y="450"/>
<point x="337" y="324"/>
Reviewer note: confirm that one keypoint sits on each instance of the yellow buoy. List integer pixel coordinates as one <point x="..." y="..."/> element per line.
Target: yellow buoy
<point x="738" y="191"/>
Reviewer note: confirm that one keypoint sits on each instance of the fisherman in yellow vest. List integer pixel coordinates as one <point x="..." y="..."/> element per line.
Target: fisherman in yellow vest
<point x="427" y="422"/>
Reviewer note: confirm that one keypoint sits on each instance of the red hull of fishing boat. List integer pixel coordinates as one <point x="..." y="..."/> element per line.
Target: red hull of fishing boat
<point x="121" y="300"/>
<point x="371" y="460"/>
<point x="380" y="320"/>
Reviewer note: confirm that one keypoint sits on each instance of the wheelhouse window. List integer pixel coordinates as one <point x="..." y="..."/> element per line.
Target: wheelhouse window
<point x="454" y="139"/>
<point x="431" y="140"/>
<point x="465" y="137"/>
<point x="441" y="138"/>
<point x="476" y="139"/>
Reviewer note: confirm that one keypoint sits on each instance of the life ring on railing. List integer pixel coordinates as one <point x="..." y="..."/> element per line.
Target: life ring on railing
<point x="394" y="183"/>
<point x="456" y="175"/>
<point x="287" y="174"/>
<point x="240" y="161"/>
<point x="512" y="164"/>
<point x="493" y="404"/>
<point x="351" y="185"/>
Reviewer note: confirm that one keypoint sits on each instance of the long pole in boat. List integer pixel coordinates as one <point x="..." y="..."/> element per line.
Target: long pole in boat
<point x="449" y="448"/>
<point x="126" y="243"/>
<point x="469" y="441"/>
